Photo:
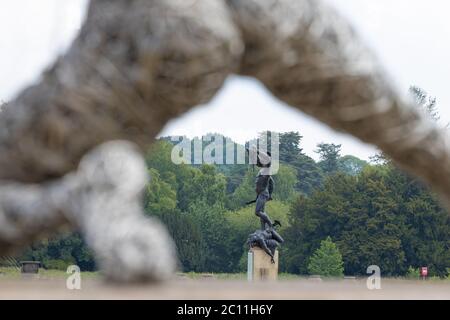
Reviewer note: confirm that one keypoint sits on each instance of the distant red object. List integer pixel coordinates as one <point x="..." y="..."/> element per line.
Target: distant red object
<point x="424" y="271"/>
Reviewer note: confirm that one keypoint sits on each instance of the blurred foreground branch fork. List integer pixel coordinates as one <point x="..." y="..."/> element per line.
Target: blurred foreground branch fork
<point x="135" y="65"/>
<point x="101" y="198"/>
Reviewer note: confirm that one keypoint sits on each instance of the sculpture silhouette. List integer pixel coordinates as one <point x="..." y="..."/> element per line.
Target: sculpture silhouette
<point x="268" y="240"/>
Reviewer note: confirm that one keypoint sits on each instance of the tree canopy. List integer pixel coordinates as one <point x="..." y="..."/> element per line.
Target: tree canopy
<point x="375" y="214"/>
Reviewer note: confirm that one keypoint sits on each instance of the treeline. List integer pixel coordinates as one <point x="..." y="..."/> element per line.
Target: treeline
<point x="379" y="217"/>
<point x="374" y="213"/>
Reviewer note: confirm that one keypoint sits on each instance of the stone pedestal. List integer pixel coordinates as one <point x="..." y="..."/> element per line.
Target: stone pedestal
<point x="259" y="266"/>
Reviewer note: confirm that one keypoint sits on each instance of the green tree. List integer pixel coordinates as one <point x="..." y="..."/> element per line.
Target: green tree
<point x="159" y="195"/>
<point x="326" y="260"/>
<point x="290" y="146"/>
<point x="329" y="157"/>
<point x="234" y="175"/>
<point x="284" y="183"/>
<point x="309" y="174"/>
<point x="206" y="185"/>
<point x="60" y="251"/>
<point x="351" y="165"/>
<point x="187" y="237"/>
<point x="244" y="192"/>
<point x="413" y="273"/>
<point x="216" y="236"/>
<point x="359" y="214"/>
<point x="426" y="233"/>
<point x="380" y="217"/>
<point x="178" y="176"/>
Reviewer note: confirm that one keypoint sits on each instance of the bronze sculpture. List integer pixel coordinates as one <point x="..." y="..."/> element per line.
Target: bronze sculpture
<point x="266" y="238"/>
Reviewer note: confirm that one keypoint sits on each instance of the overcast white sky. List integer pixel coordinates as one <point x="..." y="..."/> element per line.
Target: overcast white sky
<point x="411" y="37"/>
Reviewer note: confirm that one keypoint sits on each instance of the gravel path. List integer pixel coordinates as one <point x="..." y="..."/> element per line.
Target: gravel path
<point x="188" y="289"/>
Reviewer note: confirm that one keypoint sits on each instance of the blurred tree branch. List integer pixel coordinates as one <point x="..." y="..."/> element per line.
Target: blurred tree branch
<point x="137" y="64"/>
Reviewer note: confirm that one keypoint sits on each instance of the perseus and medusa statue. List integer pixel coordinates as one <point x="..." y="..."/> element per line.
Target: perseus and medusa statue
<point x="71" y="144"/>
<point x="266" y="238"/>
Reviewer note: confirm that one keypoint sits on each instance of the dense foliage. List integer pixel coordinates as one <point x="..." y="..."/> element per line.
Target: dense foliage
<point x="374" y="213"/>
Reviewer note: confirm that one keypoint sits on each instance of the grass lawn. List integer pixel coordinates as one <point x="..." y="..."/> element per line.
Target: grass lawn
<point x="14" y="273"/>
<point x="234" y="276"/>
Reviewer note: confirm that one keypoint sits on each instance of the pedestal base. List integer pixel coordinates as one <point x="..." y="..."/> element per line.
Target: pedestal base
<point x="260" y="267"/>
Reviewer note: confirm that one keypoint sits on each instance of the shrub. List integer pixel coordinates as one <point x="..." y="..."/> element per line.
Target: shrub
<point x="327" y="260"/>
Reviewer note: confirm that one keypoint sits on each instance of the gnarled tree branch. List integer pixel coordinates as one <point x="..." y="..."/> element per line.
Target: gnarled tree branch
<point x="137" y="64"/>
<point x="310" y="57"/>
